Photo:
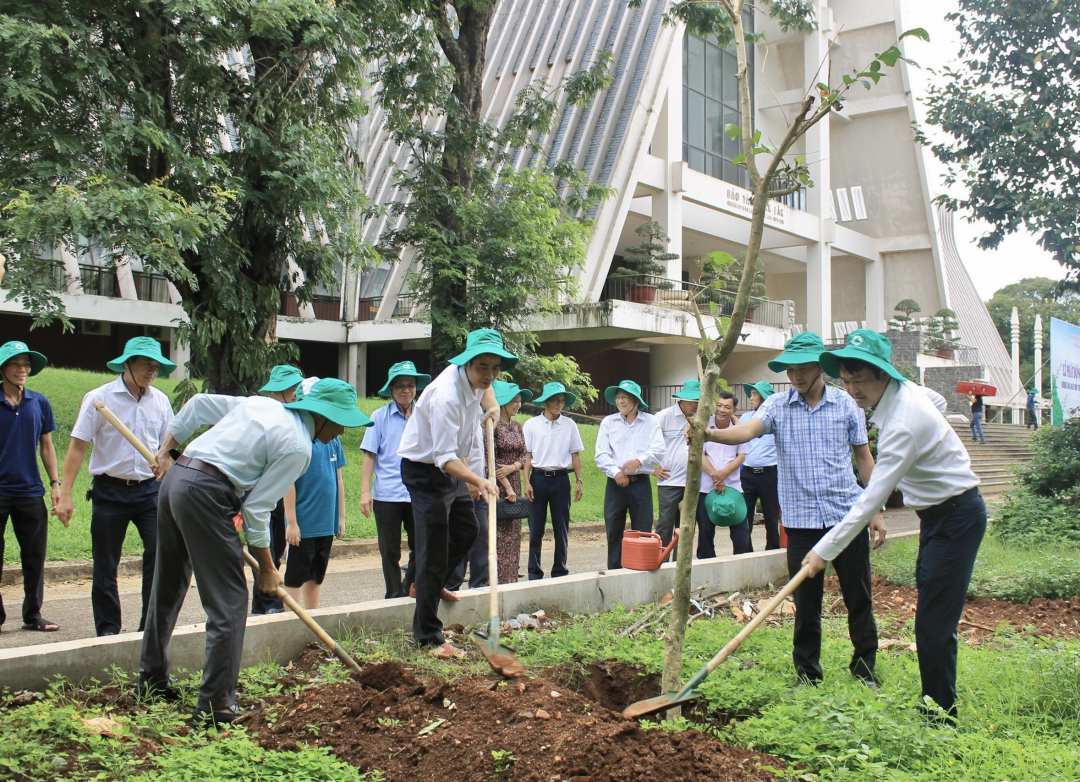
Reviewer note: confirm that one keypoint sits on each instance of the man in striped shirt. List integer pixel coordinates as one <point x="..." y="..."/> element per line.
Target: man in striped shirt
<point x="817" y="428"/>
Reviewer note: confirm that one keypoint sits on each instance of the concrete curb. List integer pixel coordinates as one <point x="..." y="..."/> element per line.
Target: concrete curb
<point x="79" y="569"/>
<point x="283" y="637"/>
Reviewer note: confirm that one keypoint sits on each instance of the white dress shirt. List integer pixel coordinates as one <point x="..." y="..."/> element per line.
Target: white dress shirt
<point x="918" y="453"/>
<point x="673" y="422"/>
<point x="552" y="443"/>
<point x="443" y="425"/>
<point x="148" y="418"/>
<point x="937" y="399"/>
<point x="618" y="442"/>
<point x="260" y="445"/>
<point x="720" y="456"/>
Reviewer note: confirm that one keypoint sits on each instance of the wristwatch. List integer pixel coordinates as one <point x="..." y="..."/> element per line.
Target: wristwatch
<point x="54" y="482"/>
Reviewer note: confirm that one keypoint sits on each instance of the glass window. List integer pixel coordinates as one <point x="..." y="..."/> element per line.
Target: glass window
<point x="695" y="121"/>
<point x="695" y="64"/>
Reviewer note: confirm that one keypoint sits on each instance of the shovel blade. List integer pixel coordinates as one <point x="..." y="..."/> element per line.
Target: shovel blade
<point x="501" y="658"/>
<point x="668" y="700"/>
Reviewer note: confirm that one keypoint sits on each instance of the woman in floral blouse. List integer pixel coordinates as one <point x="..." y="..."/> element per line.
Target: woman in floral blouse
<point x="509" y="462"/>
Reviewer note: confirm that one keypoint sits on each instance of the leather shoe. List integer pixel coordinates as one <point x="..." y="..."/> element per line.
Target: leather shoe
<point x="869" y="683"/>
<point x="150" y="690"/>
<point x="209" y="719"/>
<point x="451" y="596"/>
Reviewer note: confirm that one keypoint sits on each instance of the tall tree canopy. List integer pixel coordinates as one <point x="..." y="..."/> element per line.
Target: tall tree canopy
<point x="116" y="117"/>
<point x="1032" y="296"/>
<point x="1012" y="110"/>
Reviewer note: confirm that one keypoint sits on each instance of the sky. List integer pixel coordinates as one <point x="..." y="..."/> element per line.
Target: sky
<point x="1019" y="255"/>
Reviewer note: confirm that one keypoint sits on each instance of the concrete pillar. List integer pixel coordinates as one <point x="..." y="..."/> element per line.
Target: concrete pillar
<point x="1016" y="381"/>
<point x="819" y="289"/>
<point x="671" y="365"/>
<point x="125" y="281"/>
<point x="819" y="255"/>
<point x="358" y="362"/>
<point x="875" y="295"/>
<point x="1038" y="362"/>
<point x="180" y="355"/>
<point x="667" y="144"/>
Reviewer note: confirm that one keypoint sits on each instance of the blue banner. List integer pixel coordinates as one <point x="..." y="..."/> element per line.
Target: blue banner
<point x="1064" y="370"/>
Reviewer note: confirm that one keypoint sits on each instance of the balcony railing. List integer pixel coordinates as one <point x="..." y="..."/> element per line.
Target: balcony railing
<point x="673" y="294"/>
<point x="963" y="355"/>
<point x="99" y="280"/>
<point x="151" y="287"/>
<point x="327" y="307"/>
<point x="659" y="397"/>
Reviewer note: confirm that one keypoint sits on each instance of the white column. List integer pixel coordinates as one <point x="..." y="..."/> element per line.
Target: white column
<point x="358" y="351"/>
<point x="1016" y="388"/>
<point x="875" y="295"/>
<point x="667" y="144"/>
<point x="125" y="281"/>
<point x="819" y="255"/>
<point x="179" y="355"/>
<point x="1038" y="361"/>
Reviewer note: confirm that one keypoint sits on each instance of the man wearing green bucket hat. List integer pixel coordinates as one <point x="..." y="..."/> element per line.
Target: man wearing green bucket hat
<point x="817" y="428"/>
<point x="123" y="489"/>
<point x="759" y="471"/>
<point x="26" y="426"/>
<point x="388" y="499"/>
<point x="436" y="449"/>
<point x="1033" y="415"/>
<point x="629" y="446"/>
<point x="919" y="453"/>
<point x="671" y="475"/>
<point x="254" y="451"/>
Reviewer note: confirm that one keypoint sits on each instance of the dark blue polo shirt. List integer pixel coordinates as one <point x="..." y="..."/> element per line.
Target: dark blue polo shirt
<point x="21" y="428"/>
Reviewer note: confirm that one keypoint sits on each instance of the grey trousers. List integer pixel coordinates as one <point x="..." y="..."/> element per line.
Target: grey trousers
<point x="195" y="516"/>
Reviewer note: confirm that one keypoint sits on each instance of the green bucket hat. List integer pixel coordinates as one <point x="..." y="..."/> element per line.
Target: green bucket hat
<point x="690" y="391"/>
<point x="763" y="387"/>
<point x="727" y="509"/>
<point x="804" y="348"/>
<point x="505" y="392"/>
<point x="282" y="378"/>
<point x="1034" y="391"/>
<point x="147" y="347"/>
<point x="865" y="345"/>
<point x="551" y="389"/>
<point x="9" y="350"/>
<point x="630" y="387"/>
<point x="334" y="399"/>
<point x="485" y="341"/>
<point x="404" y="369"/>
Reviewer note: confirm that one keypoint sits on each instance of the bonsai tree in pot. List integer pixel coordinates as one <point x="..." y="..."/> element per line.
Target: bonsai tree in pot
<point x="902" y="320"/>
<point x="942" y="328"/>
<point x="643" y="262"/>
<point x="732" y="274"/>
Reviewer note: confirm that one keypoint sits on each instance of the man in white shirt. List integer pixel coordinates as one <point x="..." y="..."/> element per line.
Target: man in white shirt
<point x="629" y="446"/>
<point x="919" y="453"/>
<point x="671" y="475"/>
<point x="124" y="489"/>
<point x="720" y="469"/>
<point x="552" y="445"/>
<point x="436" y="447"/>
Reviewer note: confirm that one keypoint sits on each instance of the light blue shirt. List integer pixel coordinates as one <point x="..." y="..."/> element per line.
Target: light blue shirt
<point x="815" y="479"/>
<point x="382" y="441"/>
<point x="261" y="446"/>
<point x="762" y="450"/>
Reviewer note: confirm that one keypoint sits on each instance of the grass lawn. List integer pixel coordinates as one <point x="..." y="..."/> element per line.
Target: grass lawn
<point x="65" y="389"/>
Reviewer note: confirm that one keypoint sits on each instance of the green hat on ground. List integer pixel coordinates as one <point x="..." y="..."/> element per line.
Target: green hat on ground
<point x="690" y="391"/>
<point x="9" y="350"/>
<point x="763" y="387"/>
<point x="334" y="399"/>
<point x="147" y="347"/>
<point x="505" y="392"/>
<point x="552" y="389"/>
<point x="864" y="345"/>
<point x="282" y="378"/>
<point x="404" y="369"/>
<point x="630" y="387"/>
<point x="727" y="509"/>
<point x="804" y="348"/>
<point x="485" y="341"/>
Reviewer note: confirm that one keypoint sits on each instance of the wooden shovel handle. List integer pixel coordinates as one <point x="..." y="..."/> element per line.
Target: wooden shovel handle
<point x="109" y="416"/>
<point x="493" y="557"/>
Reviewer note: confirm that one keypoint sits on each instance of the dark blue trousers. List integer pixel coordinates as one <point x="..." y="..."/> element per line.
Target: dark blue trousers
<point x="549" y="491"/>
<point x="762" y="486"/>
<point x="477" y="558"/>
<point x="114" y="506"/>
<point x="262" y="603"/>
<point x="30" y="523"/>
<point x="948" y="544"/>
<point x="706" y="547"/>
<point x="636" y="497"/>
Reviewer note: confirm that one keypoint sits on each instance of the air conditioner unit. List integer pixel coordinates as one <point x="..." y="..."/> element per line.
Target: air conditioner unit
<point x="156" y="332"/>
<point x="96" y="328"/>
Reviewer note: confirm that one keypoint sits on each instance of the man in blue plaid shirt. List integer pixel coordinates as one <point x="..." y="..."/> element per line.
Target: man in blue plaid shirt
<point x="817" y="427"/>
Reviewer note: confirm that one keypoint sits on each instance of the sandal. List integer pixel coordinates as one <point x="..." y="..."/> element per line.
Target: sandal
<point x="446" y="651"/>
<point x="450" y="596"/>
<point x="42" y="625"/>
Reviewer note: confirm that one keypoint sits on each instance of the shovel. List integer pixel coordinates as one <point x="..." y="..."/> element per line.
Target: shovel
<point x="286" y="598"/>
<point x="686" y="694"/>
<point x="502" y="658"/>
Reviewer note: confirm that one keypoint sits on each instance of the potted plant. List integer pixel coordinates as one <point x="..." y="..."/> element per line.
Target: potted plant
<point x="943" y="328"/>
<point x="902" y="320"/>
<point x="731" y="277"/>
<point x="643" y="264"/>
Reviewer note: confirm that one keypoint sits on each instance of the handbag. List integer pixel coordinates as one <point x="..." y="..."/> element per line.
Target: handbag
<point x="504" y="509"/>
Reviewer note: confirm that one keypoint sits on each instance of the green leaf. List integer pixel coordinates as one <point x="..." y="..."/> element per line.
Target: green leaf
<point x="430" y="727"/>
<point x="738" y="159"/>
<point x="890" y="56"/>
<point x="731" y="130"/>
<point x="916" y="32"/>
<point x="757" y="137"/>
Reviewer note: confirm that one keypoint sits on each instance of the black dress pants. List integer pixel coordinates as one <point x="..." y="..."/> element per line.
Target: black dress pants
<point x="635" y="497"/>
<point x="476" y="561"/>
<point x="445" y="529"/>
<point x="762" y="486"/>
<point x="852" y="567"/>
<point x="262" y="603"/>
<point x="30" y="523"/>
<point x="390" y="518"/>
<point x="115" y="505"/>
<point x="549" y="491"/>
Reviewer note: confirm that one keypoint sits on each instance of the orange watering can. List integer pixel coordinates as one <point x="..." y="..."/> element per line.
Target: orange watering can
<point x="645" y="550"/>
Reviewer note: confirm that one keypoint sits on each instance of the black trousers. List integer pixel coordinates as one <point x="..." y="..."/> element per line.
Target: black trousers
<point x="947" y="548"/>
<point x="30" y="523"/>
<point x="445" y="527"/>
<point x="852" y="567"/>
<point x="390" y="518"/>
<point x="196" y="534"/>
<point x="549" y="491"/>
<point x="476" y="561"/>
<point x="706" y="547"/>
<point x="262" y="603"/>
<point x="636" y="497"/>
<point x="115" y="505"/>
<point x="762" y="486"/>
<point x="669" y="514"/>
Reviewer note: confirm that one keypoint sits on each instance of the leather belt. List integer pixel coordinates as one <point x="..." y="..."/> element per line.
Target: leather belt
<point x="759" y="470"/>
<point x="204" y="467"/>
<point x="633" y="478"/>
<point x="552" y="473"/>
<point x="121" y="481"/>
<point x="934" y="511"/>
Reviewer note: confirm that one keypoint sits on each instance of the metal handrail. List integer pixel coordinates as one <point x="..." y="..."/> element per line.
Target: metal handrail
<point x="151" y="287"/>
<point x="675" y="294"/>
<point x="99" y="280"/>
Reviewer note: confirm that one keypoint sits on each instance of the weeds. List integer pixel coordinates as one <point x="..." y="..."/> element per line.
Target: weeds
<point x="504" y="760"/>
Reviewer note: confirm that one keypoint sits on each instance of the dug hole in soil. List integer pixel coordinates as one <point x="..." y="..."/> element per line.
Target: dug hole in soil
<point x="538" y="729"/>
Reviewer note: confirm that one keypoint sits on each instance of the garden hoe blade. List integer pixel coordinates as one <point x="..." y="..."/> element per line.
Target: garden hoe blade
<point x="671" y="699"/>
<point x="502" y="658"/>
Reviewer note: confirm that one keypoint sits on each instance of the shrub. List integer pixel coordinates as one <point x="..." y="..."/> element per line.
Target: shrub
<point x="1054" y="471"/>
<point x="1028" y="517"/>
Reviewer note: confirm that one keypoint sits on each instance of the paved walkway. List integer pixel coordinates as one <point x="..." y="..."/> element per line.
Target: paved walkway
<point x="348" y="580"/>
